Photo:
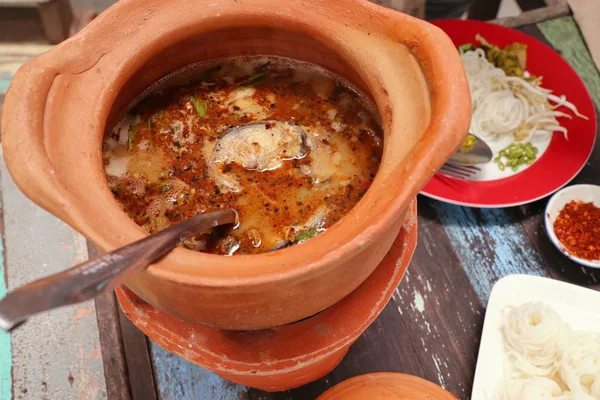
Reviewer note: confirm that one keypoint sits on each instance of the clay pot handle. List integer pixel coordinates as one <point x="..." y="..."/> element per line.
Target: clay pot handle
<point x="23" y="136"/>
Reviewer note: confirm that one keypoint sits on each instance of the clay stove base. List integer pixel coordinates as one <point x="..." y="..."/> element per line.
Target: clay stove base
<point x="288" y="356"/>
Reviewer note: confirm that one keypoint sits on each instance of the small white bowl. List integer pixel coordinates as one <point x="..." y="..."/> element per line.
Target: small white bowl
<point x="586" y="193"/>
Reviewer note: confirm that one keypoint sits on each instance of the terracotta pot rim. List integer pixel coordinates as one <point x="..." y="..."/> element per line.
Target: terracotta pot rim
<point x="384" y="280"/>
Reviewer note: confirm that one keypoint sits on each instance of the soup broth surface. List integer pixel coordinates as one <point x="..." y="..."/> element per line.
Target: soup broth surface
<point x="306" y="148"/>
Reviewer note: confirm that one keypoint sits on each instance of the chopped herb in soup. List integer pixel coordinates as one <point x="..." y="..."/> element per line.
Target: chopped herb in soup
<point x="289" y="146"/>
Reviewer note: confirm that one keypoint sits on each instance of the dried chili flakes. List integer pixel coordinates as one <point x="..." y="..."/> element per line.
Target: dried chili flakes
<point x="577" y="226"/>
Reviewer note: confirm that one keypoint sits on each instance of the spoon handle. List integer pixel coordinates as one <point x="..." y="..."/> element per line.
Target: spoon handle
<point x="103" y="273"/>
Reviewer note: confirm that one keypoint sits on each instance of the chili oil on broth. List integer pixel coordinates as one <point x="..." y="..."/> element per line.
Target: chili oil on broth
<point x="314" y="149"/>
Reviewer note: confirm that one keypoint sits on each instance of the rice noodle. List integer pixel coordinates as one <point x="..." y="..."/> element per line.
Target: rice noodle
<point x="508" y="105"/>
<point x="546" y="359"/>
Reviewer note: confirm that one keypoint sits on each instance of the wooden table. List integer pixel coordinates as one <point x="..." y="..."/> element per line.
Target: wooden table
<point x="56" y="15"/>
<point x="430" y="328"/>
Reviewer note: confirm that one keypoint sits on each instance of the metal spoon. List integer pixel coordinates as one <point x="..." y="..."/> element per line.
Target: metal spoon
<point x="103" y="273"/>
<point x="480" y="153"/>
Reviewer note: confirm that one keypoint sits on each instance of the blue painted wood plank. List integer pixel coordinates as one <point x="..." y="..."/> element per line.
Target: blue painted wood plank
<point x="5" y="347"/>
<point x="5" y="340"/>
<point x="13" y="55"/>
<point x="565" y="37"/>
<point x="178" y="379"/>
<point x="5" y="78"/>
<point x="4" y="85"/>
<point x="489" y="243"/>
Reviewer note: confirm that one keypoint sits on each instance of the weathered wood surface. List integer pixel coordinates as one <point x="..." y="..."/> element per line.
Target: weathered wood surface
<point x="13" y="55"/>
<point x="484" y="10"/>
<point x="535" y="16"/>
<point x="5" y="339"/>
<point x="57" y="17"/>
<point x="111" y="341"/>
<point x="430" y="328"/>
<point x="21" y="25"/>
<point x="566" y="38"/>
<point x="44" y="22"/>
<point x="127" y="366"/>
<point x="113" y="353"/>
<point x="187" y="381"/>
<point x="21" y="3"/>
<point x="55" y="355"/>
<point x="139" y="365"/>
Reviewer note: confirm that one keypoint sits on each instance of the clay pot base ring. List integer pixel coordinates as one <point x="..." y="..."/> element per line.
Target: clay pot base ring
<point x="288" y="356"/>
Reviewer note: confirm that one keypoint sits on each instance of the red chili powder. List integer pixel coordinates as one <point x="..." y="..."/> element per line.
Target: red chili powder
<point x="577" y="226"/>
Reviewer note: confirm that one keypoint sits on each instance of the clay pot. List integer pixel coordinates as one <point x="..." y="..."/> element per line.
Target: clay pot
<point x="386" y="386"/>
<point x="60" y="104"/>
<point x="288" y="356"/>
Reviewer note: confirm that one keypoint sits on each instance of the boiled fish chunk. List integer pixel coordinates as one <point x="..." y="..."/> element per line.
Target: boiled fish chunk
<point x="259" y="147"/>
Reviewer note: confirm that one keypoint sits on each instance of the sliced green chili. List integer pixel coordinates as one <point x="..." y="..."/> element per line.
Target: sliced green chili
<point x="254" y="79"/>
<point x="468" y="144"/>
<point x="132" y="132"/>
<point x="305" y="235"/>
<point x="466" y="47"/>
<point x="516" y="155"/>
<point x="200" y="106"/>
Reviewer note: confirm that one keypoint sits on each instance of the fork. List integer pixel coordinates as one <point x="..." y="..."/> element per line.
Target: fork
<point x="459" y="171"/>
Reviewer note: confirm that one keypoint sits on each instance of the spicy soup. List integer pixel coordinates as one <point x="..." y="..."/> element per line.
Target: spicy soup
<point x="288" y="145"/>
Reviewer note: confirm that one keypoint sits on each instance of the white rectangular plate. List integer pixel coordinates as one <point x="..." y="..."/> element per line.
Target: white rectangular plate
<point x="576" y="305"/>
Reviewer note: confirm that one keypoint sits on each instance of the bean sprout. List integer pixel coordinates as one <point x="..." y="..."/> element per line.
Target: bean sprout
<point x="509" y="105"/>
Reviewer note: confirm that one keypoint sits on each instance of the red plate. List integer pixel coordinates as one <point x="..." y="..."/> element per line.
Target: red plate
<point x="563" y="159"/>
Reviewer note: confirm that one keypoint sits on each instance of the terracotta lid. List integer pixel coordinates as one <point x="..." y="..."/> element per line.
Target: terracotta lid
<point x="384" y="386"/>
